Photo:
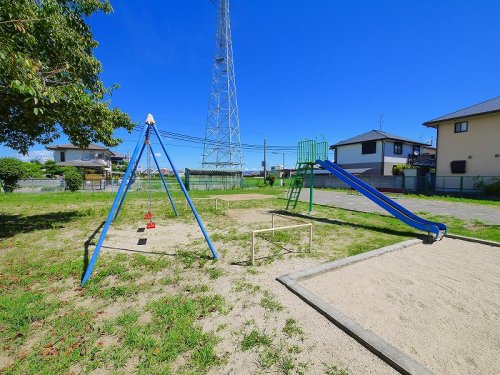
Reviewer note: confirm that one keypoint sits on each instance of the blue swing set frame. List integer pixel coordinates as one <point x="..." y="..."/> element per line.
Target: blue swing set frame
<point x="142" y="142"/>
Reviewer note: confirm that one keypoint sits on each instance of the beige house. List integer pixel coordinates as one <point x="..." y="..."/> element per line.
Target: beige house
<point x="468" y="143"/>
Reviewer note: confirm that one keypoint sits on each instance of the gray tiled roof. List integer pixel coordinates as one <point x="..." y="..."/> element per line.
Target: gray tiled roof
<point x="492" y="105"/>
<point x="374" y="135"/>
<point x="70" y="146"/>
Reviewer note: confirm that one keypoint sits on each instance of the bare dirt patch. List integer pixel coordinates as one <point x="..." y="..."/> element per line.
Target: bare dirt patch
<point x="166" y="238"/>
<point x="440" y="304"/>
<point x="5" y="361"/>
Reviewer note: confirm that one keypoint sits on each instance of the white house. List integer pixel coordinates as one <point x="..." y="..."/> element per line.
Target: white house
<point x="94" y="159"/>
<point x="375" y="152"/>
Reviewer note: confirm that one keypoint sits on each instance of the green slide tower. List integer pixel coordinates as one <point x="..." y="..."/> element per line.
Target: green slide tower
<point x="309" y="151"/>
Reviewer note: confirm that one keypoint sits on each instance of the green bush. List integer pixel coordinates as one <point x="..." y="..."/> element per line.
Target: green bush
<point x="74" y="180"/>
<point x="11" y="171"/>
<point x="270" y="179"/>
<point x="397" y="169"/>
<point x="493" y="189"/>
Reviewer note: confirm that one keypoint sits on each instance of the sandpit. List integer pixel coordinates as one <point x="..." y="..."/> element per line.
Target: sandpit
<point x="438" y="304"/>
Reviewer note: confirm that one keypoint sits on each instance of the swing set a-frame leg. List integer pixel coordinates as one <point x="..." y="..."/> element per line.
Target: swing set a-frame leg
<point x="114" y="207"/>
<point x="130" y="182"/>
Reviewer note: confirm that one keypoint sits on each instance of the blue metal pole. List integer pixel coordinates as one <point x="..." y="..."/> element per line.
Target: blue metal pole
<point x="164" y="182"/>
<point x="130" y="181"/>
<point x="97" y="249"/>
<point x="183" y="188"/>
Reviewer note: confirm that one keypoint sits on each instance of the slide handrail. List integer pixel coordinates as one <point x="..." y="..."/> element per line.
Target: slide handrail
<point x="383" y="201"/>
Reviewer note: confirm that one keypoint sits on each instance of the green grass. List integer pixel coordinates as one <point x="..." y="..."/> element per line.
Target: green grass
<point x="291" y="328"/>
<point x="254" y="339"/>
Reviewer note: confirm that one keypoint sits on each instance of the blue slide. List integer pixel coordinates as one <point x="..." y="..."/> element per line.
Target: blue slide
<point x="401" y="213"/>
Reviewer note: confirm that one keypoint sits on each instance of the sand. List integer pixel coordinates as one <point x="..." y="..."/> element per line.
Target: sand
<point x="438" y="303"/>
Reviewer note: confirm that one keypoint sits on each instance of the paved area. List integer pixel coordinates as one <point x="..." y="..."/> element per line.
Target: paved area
<point x="467" y="211"/>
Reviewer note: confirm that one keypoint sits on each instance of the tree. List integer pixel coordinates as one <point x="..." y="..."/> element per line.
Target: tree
<point x="51" y="168"/>
<point x="11" y="171"/>
<point x="49" y="77"/>
<point x="122" y="167"/>
<point x="73" y="179"/>
<point x="33" y="168"/>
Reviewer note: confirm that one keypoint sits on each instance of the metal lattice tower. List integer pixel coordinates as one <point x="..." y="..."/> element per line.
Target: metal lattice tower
<point x="222" y="148"/>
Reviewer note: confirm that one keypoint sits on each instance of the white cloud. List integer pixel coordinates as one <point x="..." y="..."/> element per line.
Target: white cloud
<point x="157" y="154"/>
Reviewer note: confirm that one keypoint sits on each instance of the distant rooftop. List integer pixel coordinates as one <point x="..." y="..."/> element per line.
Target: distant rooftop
<point x="70" y="146"/>
<point x="374" y="135"/>
<point x="489" y="106"/>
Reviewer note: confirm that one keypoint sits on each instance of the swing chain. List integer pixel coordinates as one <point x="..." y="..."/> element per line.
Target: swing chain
<point x="150" y="198"/>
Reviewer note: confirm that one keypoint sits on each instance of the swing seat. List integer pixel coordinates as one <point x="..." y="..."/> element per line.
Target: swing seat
<point x="150" y="225"/>
<point x="149" y="215"/>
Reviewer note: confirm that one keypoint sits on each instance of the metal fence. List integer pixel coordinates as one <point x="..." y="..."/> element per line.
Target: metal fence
<point x="40" y="185"/>
<point x="460" y="185"/>
<point x="47" y="185"/>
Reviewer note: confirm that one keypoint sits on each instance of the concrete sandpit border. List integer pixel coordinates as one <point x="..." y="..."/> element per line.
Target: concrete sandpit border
<point x="393" y="356"/>
<point x="390" y="354"/>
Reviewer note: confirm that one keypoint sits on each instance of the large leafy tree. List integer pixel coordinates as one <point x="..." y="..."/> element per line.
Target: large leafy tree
<point x="49" y="77"/>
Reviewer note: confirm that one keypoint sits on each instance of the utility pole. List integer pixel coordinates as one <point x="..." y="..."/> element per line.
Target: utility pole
<point x="283" y="171"/>
<point x="265" y="162"/>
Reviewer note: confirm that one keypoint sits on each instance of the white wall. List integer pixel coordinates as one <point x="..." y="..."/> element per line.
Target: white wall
<point x="70" y="155"/>
<point x="349" y="154"/>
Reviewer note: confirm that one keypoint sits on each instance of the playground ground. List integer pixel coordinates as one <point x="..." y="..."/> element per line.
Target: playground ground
<point x="165" y="306"/>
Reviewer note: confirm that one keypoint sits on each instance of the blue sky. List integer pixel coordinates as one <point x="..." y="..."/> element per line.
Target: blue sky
<point x="302" y="67"/>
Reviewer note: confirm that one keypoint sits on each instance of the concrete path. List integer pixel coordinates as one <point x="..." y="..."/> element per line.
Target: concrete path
<point x="464" y="211"/>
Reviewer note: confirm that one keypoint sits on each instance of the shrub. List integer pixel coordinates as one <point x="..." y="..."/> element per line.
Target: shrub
<point x="11" y="171"/>
<point x="270" y="179"/>
<point x="397" y="169"/>
<point x="493" y="189"/>
<point x="74" y="180"/>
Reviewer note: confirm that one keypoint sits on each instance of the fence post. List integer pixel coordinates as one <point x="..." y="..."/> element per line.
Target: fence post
<point x="310" y="237"/>
<point x="253" y="248"/>
<point x="272" y="222"/>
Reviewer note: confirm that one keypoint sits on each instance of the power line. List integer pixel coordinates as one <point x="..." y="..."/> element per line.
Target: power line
<point x="198" y="140"/>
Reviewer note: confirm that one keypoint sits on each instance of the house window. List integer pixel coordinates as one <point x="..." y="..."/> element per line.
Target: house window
<point x="368" y="147"/>
<point x="398" y="148"/>
<point x="416" y="150"/>
<point x="457" y="166"/>
<point x="86" y="156"/>
<point x="461" y="127"/>
<point x="63" y="156"/>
